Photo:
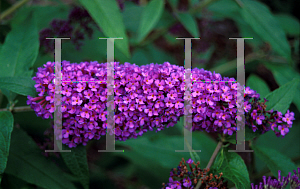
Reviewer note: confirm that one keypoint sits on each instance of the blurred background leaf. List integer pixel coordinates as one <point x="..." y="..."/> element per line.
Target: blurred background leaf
<point x="76" y="161"/>
<point x="19" y="52"/>
<point x="108" y="17"/>
<point x="258" y="84"/>
<point x="149" y="18"/>
<point x="275" y="160"/>
<point x="286" y="146"/>
<point x="27" y="163"/>
<point x="274" y="26"/>
<point x="189" y="22"/>
<point x="6" y="127"/>
<point x="259" y="17"/>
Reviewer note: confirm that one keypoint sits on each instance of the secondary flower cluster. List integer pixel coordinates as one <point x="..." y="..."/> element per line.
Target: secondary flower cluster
<point x="147" y="98"/>
<point x="281" y="182"/>
<point x="184" y="178"/>
<point x="68" y="28"/>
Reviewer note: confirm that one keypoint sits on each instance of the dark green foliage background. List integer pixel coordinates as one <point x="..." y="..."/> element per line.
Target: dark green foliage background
<point x="272" y="69"/>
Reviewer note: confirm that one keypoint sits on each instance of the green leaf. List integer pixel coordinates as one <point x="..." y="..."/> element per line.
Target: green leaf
<point x="20" y="49"/>
<point x="274" y="160"/>
<point x="280" y="144"/>
<point x="43" y="14"/>
<point x="20" y="85"/>
<point x="224" y="9"/>
<point x="173" y="3"/>
<point x="258" y="84"/>
<point x="12" y="182"/>
<point x="284" y="74"/>
<point x="281" y="98"/>
<point x="77" y="163"/>
<point x="246" y="30"/>
<point x="233" y="168"/>
<point x="259" y="17"/>
<point x="161" y="149"/>
<point x="289" y="24"/>
<point x="6" y="127"/>
<point x="108" y="17"/>
<point x="166" y="21"/>
<point x="189" y="22"/>
<point x="151" y="15"/>
<point x="150" y="53"/>
<point x="193" y="2"/>
<point x="25" y="161"/>
<point x="132" y="15"/>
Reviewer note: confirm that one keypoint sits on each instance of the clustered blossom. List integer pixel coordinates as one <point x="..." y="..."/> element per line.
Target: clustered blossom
<point x="281" y="182"/>
<point x="259" y="119"/>
<point x="146" y="98"/>
<point x="78" y="24"/>
<point x="184" y="178"/>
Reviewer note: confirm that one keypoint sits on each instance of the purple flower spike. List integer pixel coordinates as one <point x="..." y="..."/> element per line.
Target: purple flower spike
<point x="280" y="182"/>
<point x="148" y="97"/>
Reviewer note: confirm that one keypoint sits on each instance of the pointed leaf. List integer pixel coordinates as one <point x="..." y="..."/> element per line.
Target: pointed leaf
<point x="284" y="74"/>
<point x="190" y="24"/>
<point x="150" y="17"/>
<point x="25" y="161"/>
<point x="281" y="98"/>
<point x="20" y="85"/>
<point x="289" y="24"/>
<point x="260" y="18"/>
<point x="274" y="160"/>
<point x="233" y="168"/>
<point x="108" y="17"/>
<point x="20" y="49"/>
<point x="162" y="149"/>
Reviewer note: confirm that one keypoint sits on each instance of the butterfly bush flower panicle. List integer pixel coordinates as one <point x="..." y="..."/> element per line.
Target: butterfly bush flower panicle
<point x="280" y="182"/>
<point x="186" y="176"/>
<point x="153" y="99"/>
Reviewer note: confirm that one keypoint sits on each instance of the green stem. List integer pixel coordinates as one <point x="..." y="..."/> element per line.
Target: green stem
<point x="12" y="9"/>
<point x="18" y="109"/>
<point x="212" y="158"/>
